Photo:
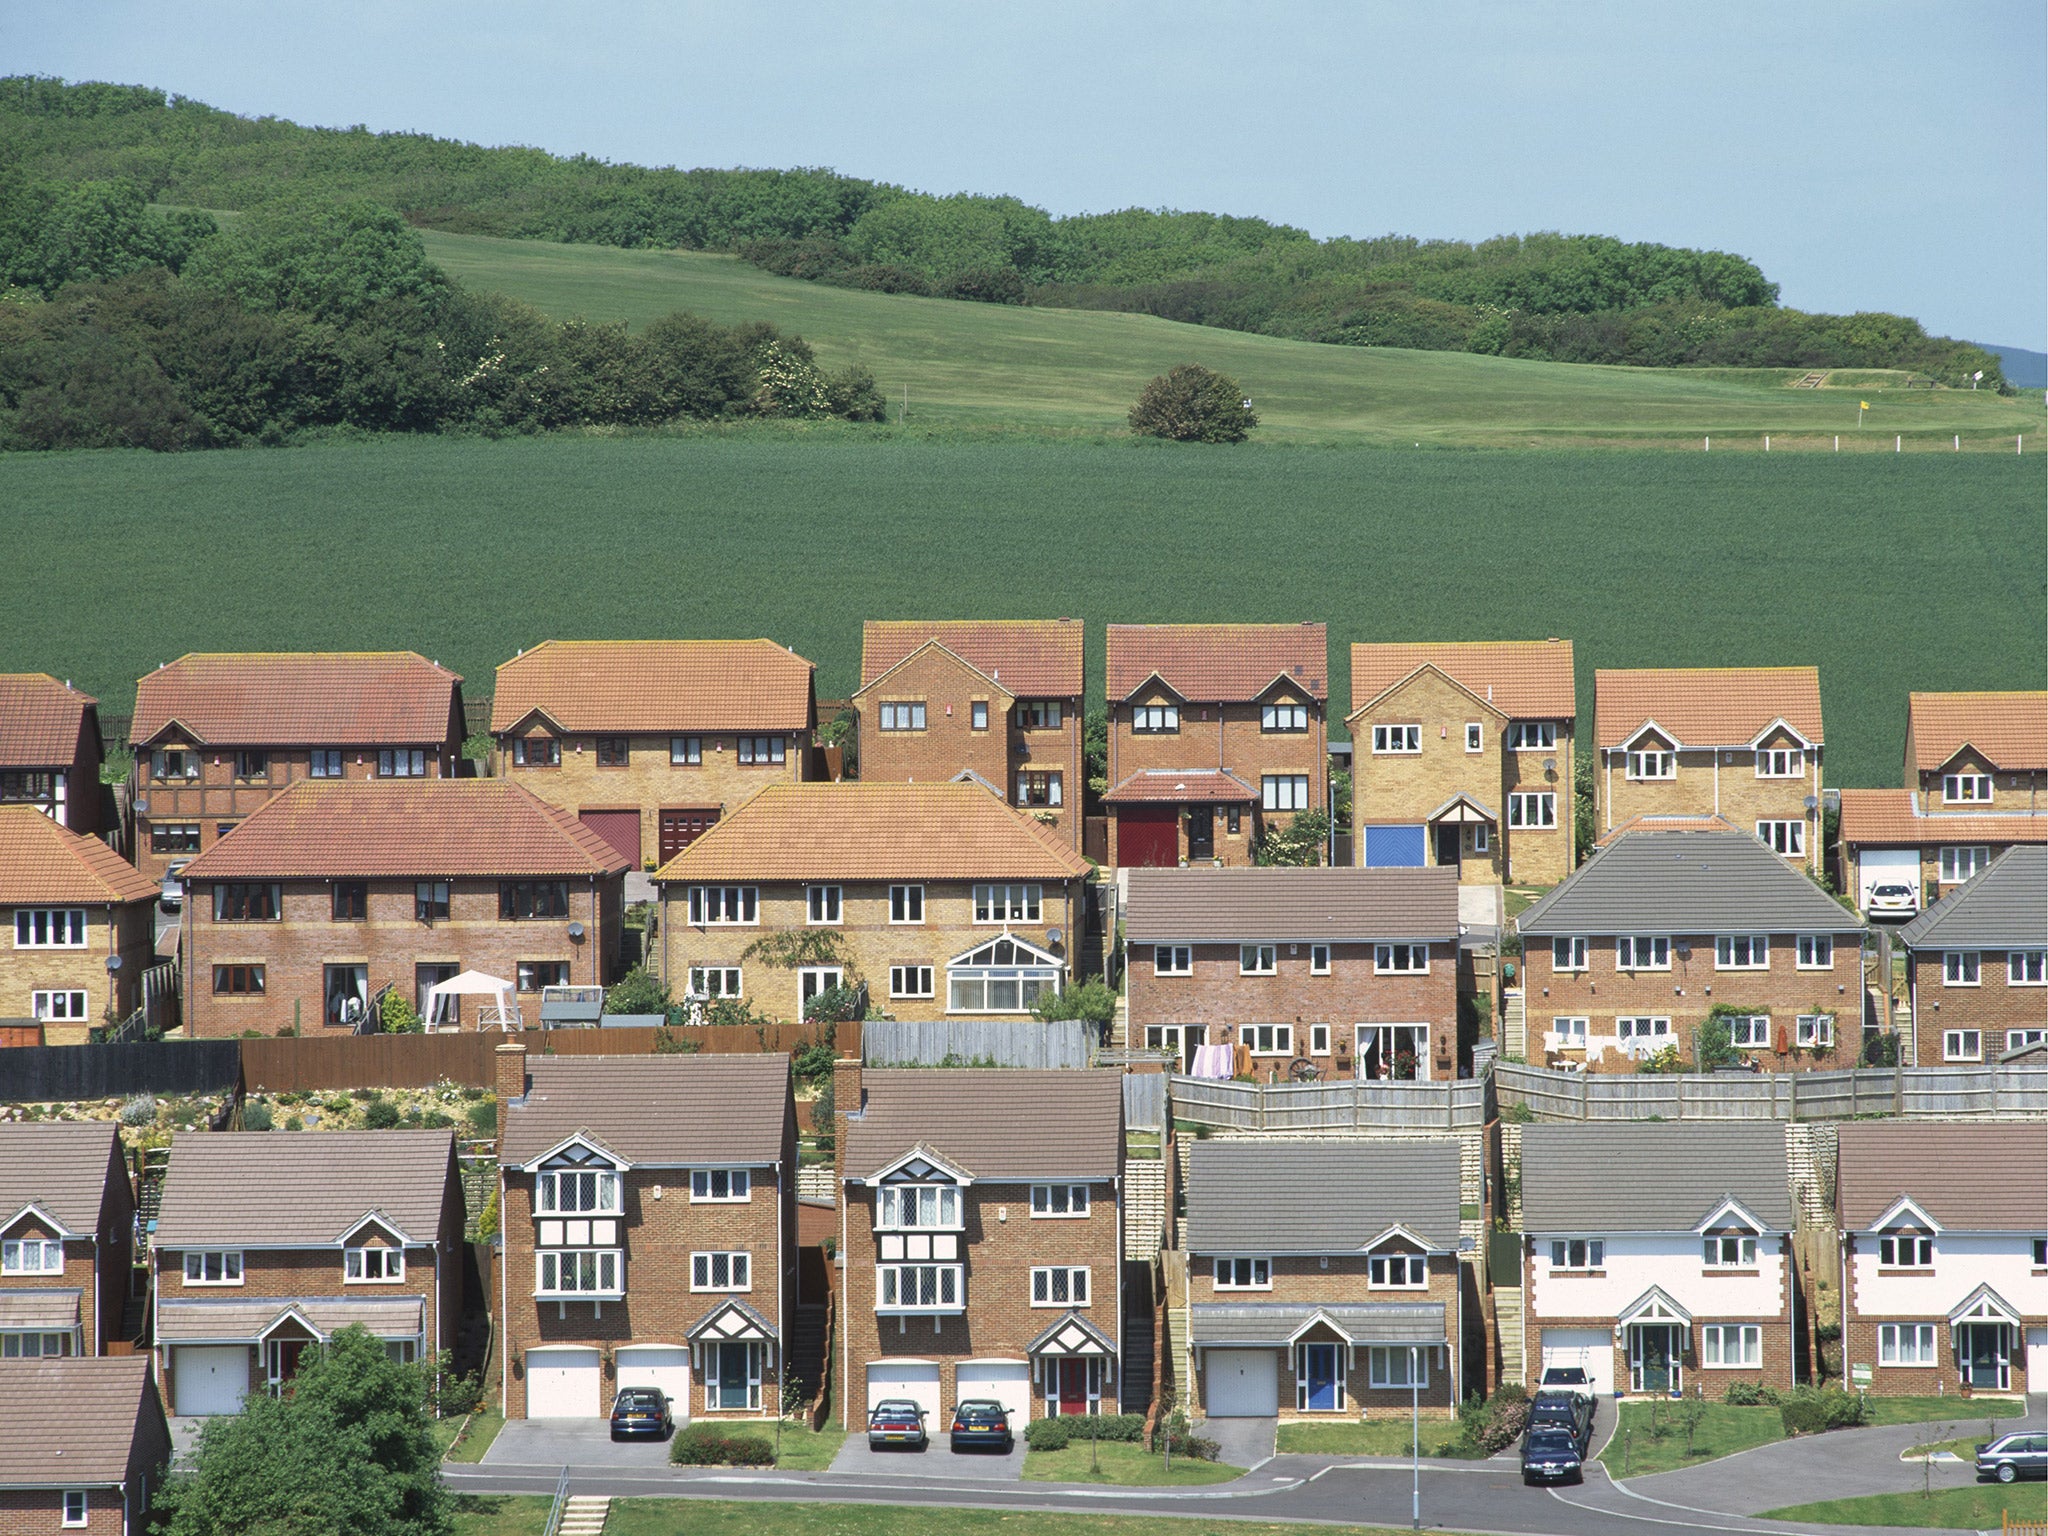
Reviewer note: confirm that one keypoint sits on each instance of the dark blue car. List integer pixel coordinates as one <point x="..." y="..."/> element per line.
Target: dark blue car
<point x="1551" y="1455"/>
<point x="642" y="1411"/>
<point x="981" y="1421"/>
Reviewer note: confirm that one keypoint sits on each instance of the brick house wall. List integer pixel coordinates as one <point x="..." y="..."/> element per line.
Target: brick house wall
<point x="76" y="780"/>
<point x="2011" y="788"/>
<point x="1932" y="886"/>
<point x="1872" y="1298"/>
<point x="40" y="1512"/>
<point x="126" y="929"/>
<point x="96" y="1263"/>
<point x="1992" y="1008"/>
<point x="1713" y="782"/>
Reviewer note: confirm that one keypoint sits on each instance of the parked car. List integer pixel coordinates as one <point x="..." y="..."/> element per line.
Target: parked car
<point x="1567" y="1378"/>
<point x="897" y="1421"/>
<point x="2011" y="1457"/>
<point x="642" y="1411"/>
<point x="1894" y="899"/>
<point x="1561" y="1408"/>
<point x="1551" y="1455"/>
<point x="981" y="1421"/>
<point x="172" y="896"/>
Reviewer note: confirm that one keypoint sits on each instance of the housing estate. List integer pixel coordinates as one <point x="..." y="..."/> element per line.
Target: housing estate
<point x="1354" y="971"/>
<point x="650" y="742"/>
<point x="82" y="925"/>
<point x="50" y="749"/>
<point x="1462" y="757"/>
<point x="84" y="1446"/>
<point x="333" y="892"/>
<point x="649" y="1219"/>
<point x="67" y="1239"/>
<point x="997" y="701"/>
<point x="1743" y="743"/>
<point x="267" y="1245"/>
<point x="1977" y="965"/>
<point x="1944" y="1278"/>
<point x="981" y="1263"/>
<point x="957" y="904"/>
<point x="1660" y="931"/>
<point x="217" y="734"/>
<point x="1658" y="1257"/>
<point x="1217" y="735"/>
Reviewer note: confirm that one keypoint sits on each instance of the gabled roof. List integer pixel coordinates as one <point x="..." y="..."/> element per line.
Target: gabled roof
<point x="1241" y="906"/>
<point x="401" y="828"/>
<point x="1686" y="883"/>
<point x="1898" y="816"/>
<point x="60" y="1166"/>
<point x="875" y="831"/>
<point x="40" y="719"/>
<point x="1706" y="706"/>
<point x="657" y="686"/>
<point x="663" y="1111"/>
<point x="72" y="1422"/>
<point x="1028" y="658"/>
<point x="2006" y="1190"/>
<point x="1010" y="1124"/>
<point x="1676" y="1176"/>
<point x="43" y="862"/>
<point x="1219" y="663"/>
<point x="2010" y="729"/>
<point x="257" y="1189"/>
<point x="298" y="698"/>
<point x="1318" y="1196"/>
<point x="1182" y="786"/>
<point x="1668" y="821"/>
<point x="2005" y="906"/>
<point x="1523" y="679"/>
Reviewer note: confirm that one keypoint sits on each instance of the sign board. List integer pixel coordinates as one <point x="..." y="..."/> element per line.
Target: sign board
<point x="1859" y="1375"/>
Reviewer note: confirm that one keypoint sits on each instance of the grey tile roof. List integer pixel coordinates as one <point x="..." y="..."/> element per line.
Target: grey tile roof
<point x="39" y="1309"/>
<point x="389" y="1317"/>
<point x="2005" y="905"/>
<point x="257" y="1189"/>
<point x="71" y="1421"/>
<point x="2005" y="1190"/>
<point x="1686" y="882"/>
<point x="1273" y="1323"/>
<point x="1229" y="906"/>
<point x="58" y="1165"/>
<point x="1007" y="1124"/>
<point x="659" y="1110"/>
<point x="1652" y="1177"/>
<point x="1319" y="1197"/>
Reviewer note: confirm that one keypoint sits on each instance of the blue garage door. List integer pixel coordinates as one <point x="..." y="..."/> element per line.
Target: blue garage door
<point x="1393" y="847"/>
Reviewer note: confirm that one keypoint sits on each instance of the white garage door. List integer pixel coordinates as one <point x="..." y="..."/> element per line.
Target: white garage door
<point x="562" y="1384"/>
<point x="1885" y="866"/>
<point x="662" y="1366"/>
<point x="917" y="1380"/>
<point x="2037" y="1359"/>
<point x="1007" y="1381"/>
<point x="1591" y="1349"/>
<point x="211" y="1379"/>
<point x="1241" y="1383"/>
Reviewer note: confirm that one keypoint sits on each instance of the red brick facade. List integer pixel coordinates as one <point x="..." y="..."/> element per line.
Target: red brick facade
<point x="1955" y="1022"/>
<point x="96" y="1262"/>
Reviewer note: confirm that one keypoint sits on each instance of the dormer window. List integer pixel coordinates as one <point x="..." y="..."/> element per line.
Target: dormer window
<point x="1155" y="719"/>
<point x="1730" y="1250"/>
<point x="1966" y="788"/>
<point x="1397" y="1271"/>
<point x="1906" y="1251"/>
<point x="1653" y="765"/>
<point x="32" y="1256"/>
<point x="918" y="1208"/>
<point x="373" y="1266"/>
<point x="577" y="1191"/>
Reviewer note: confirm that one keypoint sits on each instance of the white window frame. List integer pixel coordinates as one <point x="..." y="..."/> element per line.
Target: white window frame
<point x="66" y="1004"/>
<point x="1257" y="1274"/>
<point x="1284" y="791"/>
<point x="1653" y="765"/>
<point x="1534" y="809"/>
<point x="35" y="1344"/>
<point x="901" y="715"/>
<point x="559" y="1274"/>
<point x="1908" y="1344"/>
<point x="906" y="906"/>
<point x="723" y="906"/>
<point x="1396" y="740"/>
<point x="1731" y="1346"/>
<point x="1643" y="1026"/>
<point x="1962" y="1045"/>
<point x="1482" y="837"/>
<point x="1173" y="960"/>
<point x="1958" y="862"/>
<point x="1591" y="1252"/>
<point x="1048" y="1279"/>
<point x="1533" y="736"/>
<point x="2026" y="968"/>
<point x="1413" y="1268"/>
<point x="1568" y="1031"/>
<point x="1475" y="736"/>
<point x="1574" y="950"/>
<point x="1905" y="1251"/>
<point x="50" y="928"/>
<point x="999" y="905"/>
<point x="195" y="1262"/>
<point x="1268" y="1039"/>
<point x="1785" y="838"/>
<point x="1742" y="952"/>
<point x="1729" y="1250"/>
<point x="1962" y="968"/>
<point x="824" y="906"/>
<point x="739" y="1270"/>
<point x="1059" y="1202"/>
<point x="1966" y="789"/>
<point x="2018" y="1039"/>
<point x="1815" y="952"/>
<point x="816" y="980"/>
<point x="1382" y="1360"/>
<point x="356" y="1266"/>
<point x="562" y="1192"/>
<point x="912" y="981"/>
<point x="1630" y="952"/>
<point x="717" y="981"/>
<point x="1780" y="763"/>
<point x="1400" y="959"/>
<point x="1814" y="1031"/>
<point x="721" y="1186"/>
<point x="1319" y="959"/>
<point x="16" y="1250"/>
<point x="1258" y="959"/>
<point x="1319" y="1039"/>
<point x="1749" y="1031"/>
<point x="925" y="1278"/>
<point x="929" y="1207"/>
<point x="686" y="751"/>
<point x="1155" y="719"/>
<point x="1283" y="719"/>
<point x="77" y="1509"/>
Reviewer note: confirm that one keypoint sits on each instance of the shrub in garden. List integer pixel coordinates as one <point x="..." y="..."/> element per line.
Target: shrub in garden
<point x="483" y="1117"/>
<point x="256" y="1116"/>
<point x="708" y="1445"/>
<point x="1055" y="1434"/>
<point x="1750" y="1394"/>
<point x="140" y="1110"/>
<point x="380" y="1114"/>
<point x="1814" y="1410"/>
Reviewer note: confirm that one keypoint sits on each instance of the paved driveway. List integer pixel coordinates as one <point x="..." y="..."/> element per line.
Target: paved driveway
<point x="570" y="1443"/>
<point x="938" y="1461"/>
<point x="1241" y="1442"/>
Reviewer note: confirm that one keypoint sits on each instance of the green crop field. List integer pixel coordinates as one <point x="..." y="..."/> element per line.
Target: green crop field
<point x="1888" y="572"/>
<point x="1079" y="370"/>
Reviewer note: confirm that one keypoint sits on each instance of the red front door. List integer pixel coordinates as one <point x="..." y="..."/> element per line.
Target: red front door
<point x="1073" y="1387"/>
<point x="1148" y="836"/>
<point x="681" y="828"/>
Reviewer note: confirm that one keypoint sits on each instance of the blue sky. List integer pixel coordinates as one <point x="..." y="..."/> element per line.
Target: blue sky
<point x="1868" y="156"/>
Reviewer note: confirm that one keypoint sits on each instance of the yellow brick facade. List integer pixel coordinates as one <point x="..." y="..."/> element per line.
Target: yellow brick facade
<point x="1727" y="782"/>
<point x="125" y="930"/>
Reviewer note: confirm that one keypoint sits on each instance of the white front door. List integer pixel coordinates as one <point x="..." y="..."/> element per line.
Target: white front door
<point x="663" y="1367"/>
<point x="2037" y="1359"/>
<point x="1590" y="1349"/>
<point x="1241" y="1383"/>
<point x="1007" y="1381"/>
<point x="562" y="1384"/>
<point x="209" y="1379"/>
<point x="917" y="1380"/>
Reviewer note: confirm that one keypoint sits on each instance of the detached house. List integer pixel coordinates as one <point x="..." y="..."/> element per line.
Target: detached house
<point x="1463" y="758"/>
<point x="216" y="735"/>
<point x="1977" y="965"/>
<point x="650" y="742"/>
<point x="1217" y="734"/>
<point x="980" y="1263"/>
<point x="1659" y="1257"/>
<point x="268" y="1244"/>
<point x="67" y="1238"/>
<point x="50" y="749"/>
<point x="1944" y="1277"/>
<point x="1322" y="1278"/>
<point x="332" y="893"/>
<point x="84" y="1446"/>
<point x="1742" y="743"/>
<point x="1659" y="931"/>
<point x="938" y="899"/>
<point x="997" y="701"/>
<point x="649" y="1213"/>
<point x="80" y="925"/>
<point x="1353" y="970"/>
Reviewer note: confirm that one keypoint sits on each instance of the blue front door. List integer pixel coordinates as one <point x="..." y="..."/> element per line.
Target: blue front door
<point x="1321" y="1387"/>
<point x="1394" y="847"/>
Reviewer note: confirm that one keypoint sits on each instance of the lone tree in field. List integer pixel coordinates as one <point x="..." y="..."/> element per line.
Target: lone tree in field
<point x="1193" y="404"/>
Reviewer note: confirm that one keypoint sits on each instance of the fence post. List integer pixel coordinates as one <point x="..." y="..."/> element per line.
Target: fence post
<point x="1791" y="1098"/>
<point x="1585" y="1095"/>
<point x="1450" y="1103"/>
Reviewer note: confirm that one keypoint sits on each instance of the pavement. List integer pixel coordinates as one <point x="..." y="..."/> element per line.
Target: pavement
<point x="938" y="1461"/>
<point x="1241" y="1442"/>
<point x="571" y="1442"/>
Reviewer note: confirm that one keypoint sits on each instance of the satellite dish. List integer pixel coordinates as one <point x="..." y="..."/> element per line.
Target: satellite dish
<point x="576" y="933"/>
<point x="1054" y="935"/>
<point x="113" y="964"/>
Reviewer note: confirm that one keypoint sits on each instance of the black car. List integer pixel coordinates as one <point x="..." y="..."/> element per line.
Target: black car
<point x="1551" y="1455"/>
<point x="642" y="1411"/>
<point x="896" y="1421"/>
<point x="1560" y="1409"/>
<point x="981" y="1421"/>
<point x="2012" y="1457"/>
<point x="1567" y="1378"/>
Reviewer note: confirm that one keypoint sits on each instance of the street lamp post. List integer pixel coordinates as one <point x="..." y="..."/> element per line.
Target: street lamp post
<point x="1414" y="1443"/>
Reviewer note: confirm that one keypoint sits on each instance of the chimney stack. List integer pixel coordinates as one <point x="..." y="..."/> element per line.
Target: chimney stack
<point x="847" y="1099"/>
<point x="511" y="1063"/>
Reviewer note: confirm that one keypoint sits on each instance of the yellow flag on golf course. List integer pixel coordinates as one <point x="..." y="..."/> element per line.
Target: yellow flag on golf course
<point x="1862" y="405"/>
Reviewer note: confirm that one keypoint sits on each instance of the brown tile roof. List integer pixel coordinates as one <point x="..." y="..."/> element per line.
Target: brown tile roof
<point x="1181" y="786"/>
<point x="39" y="720"/>
<point x="399" y="828"/>
<point x="1706" y="706"/>
<point x="1030" y="658"/>
<point x="2011" y="729"/>
<point x="262" y="1188"/>
<point x="2006" y="1189"/>
<point x="41" y="861"/>
<point x="1230" y="906"/>
<point x="71" y="1422"/>
<point x="1871" y="816"/>
<point x="239" y="1317"/>
<point x="298" y="698"/>
<point x="656" y="686"/>
<point x="1219" y="663"/>
<point x="39" y="1311"/>
<point x="58" y="1165"/>
<point x="875" y="831"/>
<point x="668" y="1111"/>
<point x="1007" y="1124"/>
<point x="1523" y="679"/>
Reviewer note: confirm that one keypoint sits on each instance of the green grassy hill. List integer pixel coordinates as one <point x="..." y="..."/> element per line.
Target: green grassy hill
<point x="985" y="365"/>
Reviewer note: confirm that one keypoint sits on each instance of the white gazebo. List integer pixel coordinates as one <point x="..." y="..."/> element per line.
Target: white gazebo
<point x="501" y="1012"/>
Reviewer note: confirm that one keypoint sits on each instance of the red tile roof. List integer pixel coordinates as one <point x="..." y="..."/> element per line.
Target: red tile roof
<point x="656" y="686"/>
<point x="1894" y="816"/>
<point x="1523" y="679"/>
<point x="1706" y="706"/>
<point x="41" y="861"/>
<point x="2011" y="729"/>
<point x="1030" y="658"/>
<point x="39" y="720"/>
<point x="298" y="698"/>
<point x="1219" y="663"/>
<point x="399" y="829"/>
<point x="1181" y="786"/>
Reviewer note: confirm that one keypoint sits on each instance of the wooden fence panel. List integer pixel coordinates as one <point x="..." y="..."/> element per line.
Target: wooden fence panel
<point x="1145" y="1101"/>
<point x="43" y="1073"/>
<point x="297" y="1065"/>
<point x="965" y="1042"/>
<point x="1455" y="1104"/>
<point x="2012" y="1089"/>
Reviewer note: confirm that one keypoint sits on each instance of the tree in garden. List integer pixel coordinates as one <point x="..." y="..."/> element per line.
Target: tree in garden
<point x="1193" y="404"/>
<point x="1091" y="1000"/>
<point x="1302" y="841"/>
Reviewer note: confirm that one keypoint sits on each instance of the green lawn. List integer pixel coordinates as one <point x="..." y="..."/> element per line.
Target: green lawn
<point x="1130" y="1466"/>
<point x="1965" y="1447"/>
<point x="482" y="1429"/>
<point x="666" y="1517"/>
<point x="491" y="1514"/>
<point x="1942" y="1410"/>
<point x="1726" y="1430"/>
<point x="1976" y="1508"/>
<point x="1375" y="1437"/>
<point x="806" y="1450"/>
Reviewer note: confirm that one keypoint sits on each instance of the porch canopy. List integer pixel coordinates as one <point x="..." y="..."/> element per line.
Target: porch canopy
<point x="1654" y="1307"/>
<point x="1463" y="810"/>
<point x="505" y="1015"/>
<point x="1182" y="786"/>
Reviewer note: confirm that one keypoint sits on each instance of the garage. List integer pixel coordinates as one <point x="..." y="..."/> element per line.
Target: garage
<point x="1885" y="866"/>
<point x="1394" y="847"/>
<point x="2037" y="1360"/>
<point x="1007" y="1381"/>
<point x="662" y="1366"/>
<point x="562" y="1384"/>
<point x="917" y="1380"/>
<point x="1148" y="836"/>
<point x="209" y="1379"/>
<point x="1241" y="1383"/>
<point x="619" y="828"/>
<point x="1590" y="1349"/>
